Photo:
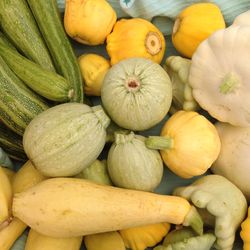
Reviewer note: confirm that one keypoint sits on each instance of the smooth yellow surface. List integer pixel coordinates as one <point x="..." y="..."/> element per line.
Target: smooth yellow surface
<point x="245" y="232"/>
<point x="139" y="238"/>
<point x="195" y="24"/>
<point x="93" y="69"/>
<point x="36" y="241"/>
<point x="196" y="144"/>
<point x="128" y="40"/>
<point x="70" y="207"/>
<point x="89" y="21"/>
<point x="5" y="196"/>
<point x="10" y="174"/>
<point x="104" y="241"/>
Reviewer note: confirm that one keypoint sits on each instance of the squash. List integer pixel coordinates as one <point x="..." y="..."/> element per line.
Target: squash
<point x="91" y="208"/>
<point x="93" y="69"/>
<point x="66" y="139"/>
<point x="132" y="165"/>
<point x="139" y="238"/>
<point x="107" y="241"/>
<point x="220" y="82"/>
<point x="245" y="232"/>
<point x="141" y="93"/>
<point x="5" y="160"/>
<point x="195" y="24"/>
<point x="135" y="37"/>
<point x="89" y="21"/>
<point x="221" y="203"/>
<point x="233" y="161"/>
<point x="26" y="177"/>
<point x="20" y="242"/>
<point x="189" y="143"/>
<point x="36" y="241"/>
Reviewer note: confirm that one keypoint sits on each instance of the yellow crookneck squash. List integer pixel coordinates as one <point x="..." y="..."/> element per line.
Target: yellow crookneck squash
<point x="189" y="143"/>
<point x="195" y="24"/>
<point x="135" y="37"/>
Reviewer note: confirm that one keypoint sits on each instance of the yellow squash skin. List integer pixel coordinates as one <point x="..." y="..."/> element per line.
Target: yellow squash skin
<point x="195" y="24"/>
<point x="89" y="21"/>
<point x="71" y="207"/>
<point x="135" y="37"/>
<point x="93" y="69"/>
<point x="36" y="241"/>
<point x="107" y="241"/>
<point x="139" y="238"/>
<point x="10" y="174"/>
<point x="245" y="232"/>
<point x="196" y="144"/>
<point x="26" y="177"/>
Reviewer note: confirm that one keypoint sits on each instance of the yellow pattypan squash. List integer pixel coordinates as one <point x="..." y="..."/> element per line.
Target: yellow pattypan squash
<point x="195" y="24"/>
<point x="139" y="238"/>
<point x="93" y="69"/>
<point x="189" y="143"/>
<point x="245" y="232"/>
<point x="104" y="241"/>
<point x="135" y="37"/>
<point x="89" y="21"/>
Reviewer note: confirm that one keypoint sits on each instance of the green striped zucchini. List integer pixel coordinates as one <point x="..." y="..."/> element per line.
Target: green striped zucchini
<point x="19" y="25"/>
<point x="11" y="143"/>
<point x="49" y="21"/>
<point x="44" y="82"/>
<point x="18" y="104"/>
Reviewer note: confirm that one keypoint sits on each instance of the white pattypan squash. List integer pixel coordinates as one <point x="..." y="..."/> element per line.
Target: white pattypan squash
<point x="219" y="75"/>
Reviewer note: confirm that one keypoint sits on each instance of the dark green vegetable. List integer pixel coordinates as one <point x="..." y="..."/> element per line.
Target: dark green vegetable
<point x="49" y="21"/>
<point x="18" y="23"/>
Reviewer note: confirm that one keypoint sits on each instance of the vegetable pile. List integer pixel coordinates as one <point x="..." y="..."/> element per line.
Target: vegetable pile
<point x="94" y="133"/>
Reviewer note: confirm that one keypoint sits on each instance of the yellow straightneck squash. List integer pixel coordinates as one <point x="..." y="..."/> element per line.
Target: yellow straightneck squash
<point x="135" y="37"/>
<point x="194" y="24"/>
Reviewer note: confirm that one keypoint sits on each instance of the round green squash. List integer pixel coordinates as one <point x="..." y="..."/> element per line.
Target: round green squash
<point x="66" y="138"/>
<point x="136" y="93"/>
<point x="132" y="165"/>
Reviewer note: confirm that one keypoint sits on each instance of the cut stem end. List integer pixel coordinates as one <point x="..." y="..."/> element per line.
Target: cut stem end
<point x="229" y="83"/>
<point x="153" y="43"/>
<point x="159" y="142"/>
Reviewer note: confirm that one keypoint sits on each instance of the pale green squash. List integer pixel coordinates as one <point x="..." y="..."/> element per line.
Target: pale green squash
<point x="132" y="165"/>
<point x="66" y="138"/>
<point x="136" y="93"/>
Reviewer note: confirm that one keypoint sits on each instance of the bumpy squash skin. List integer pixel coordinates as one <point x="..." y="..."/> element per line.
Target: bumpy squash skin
<point x="135" y="37"/>
<point x="196" y="144"/>
<point x="194" y="24"/>
<point x="141" y="93"/>
<point x="89" y="21"/>
<point x="66" y="139"/>
<point x="69" y="207"/>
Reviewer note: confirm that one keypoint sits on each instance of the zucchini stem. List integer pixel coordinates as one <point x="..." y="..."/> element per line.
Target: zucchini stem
<point x="159" y="142"/>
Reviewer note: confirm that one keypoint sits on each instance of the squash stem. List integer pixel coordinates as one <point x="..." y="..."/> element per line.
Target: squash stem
<point x="229" y="83"/>
<point x="159" y="142"/>
<point x="194" y="220"/>
<point x="101" y="115"/>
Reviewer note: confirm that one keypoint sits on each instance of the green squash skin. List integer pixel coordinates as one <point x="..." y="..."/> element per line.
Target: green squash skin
<point x="66" y="138"/>
<point x="141" y="93"/>
<point x="132" y="165"/>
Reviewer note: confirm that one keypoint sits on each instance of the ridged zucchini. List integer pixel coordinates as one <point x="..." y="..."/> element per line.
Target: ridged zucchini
<point x="19" y="25"/>
<point x="44" y="82"/>
<point x="18" y="104"/>
<point x="11" y="143"/>
<point x="49" y="21"/>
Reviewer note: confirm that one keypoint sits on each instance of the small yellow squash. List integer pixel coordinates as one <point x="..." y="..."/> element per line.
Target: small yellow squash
<point x="135" y="37"/>
<point x="93" y="69"/>
<point x="139" y="238"/>
<point x="89" y="21"/>
<point x="245" y="232"/>
<point x="189" y="144"/>
<point x="195" y="24"/>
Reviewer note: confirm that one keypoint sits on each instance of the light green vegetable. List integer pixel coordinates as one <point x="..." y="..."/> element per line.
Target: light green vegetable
<point x="5" y="160"/>
<point x="132" y="165"/>
<point x="217" y="196"/>
<point x="96" y="172"/>
<point x="178" y="69"/>
<point x="186" y="239"/>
